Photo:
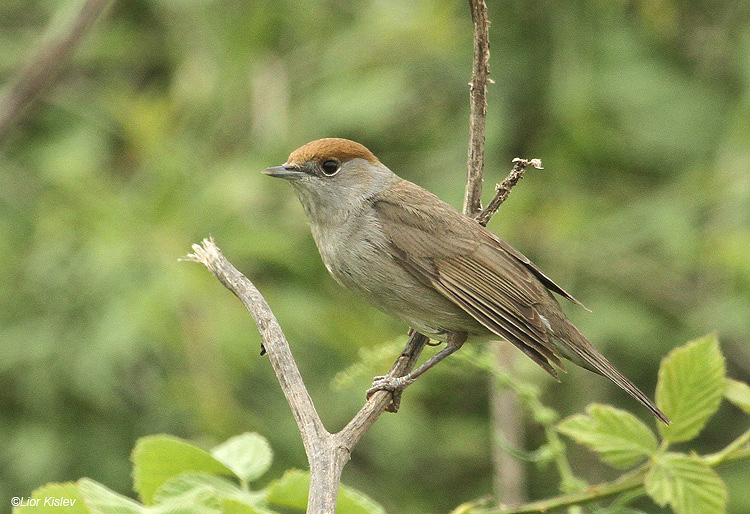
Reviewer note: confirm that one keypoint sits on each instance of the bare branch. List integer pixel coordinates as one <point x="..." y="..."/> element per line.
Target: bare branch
<point x="274" y="341"/>
<point x="325" y="458"/>
<point x="41" y="71"/>
<point x="326" y="453"/>
<point x="503" y="408"/>
<point x="478" y="107"/>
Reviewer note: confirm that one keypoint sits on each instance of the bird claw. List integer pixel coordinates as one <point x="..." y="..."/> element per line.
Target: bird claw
<point x="394" y="385"/>
<point x="384" y="383"/>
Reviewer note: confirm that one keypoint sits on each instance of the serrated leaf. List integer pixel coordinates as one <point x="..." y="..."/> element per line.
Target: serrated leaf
<point x="249" y="455"/>
<point x="158" y="458"/>
<point x="102" y="500"/>
<point x="620" y="439"/>
<point x="686" y="484"/>
<point x="690" y="389"/>
<point x="291" y="491"/>
<point x="67" y="491"/>
<point x="738" y="393"/>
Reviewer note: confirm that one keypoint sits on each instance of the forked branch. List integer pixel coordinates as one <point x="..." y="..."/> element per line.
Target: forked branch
<point x="327" y="453"/>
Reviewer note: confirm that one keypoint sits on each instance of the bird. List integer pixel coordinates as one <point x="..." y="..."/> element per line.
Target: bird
<point x="418" y="259"/>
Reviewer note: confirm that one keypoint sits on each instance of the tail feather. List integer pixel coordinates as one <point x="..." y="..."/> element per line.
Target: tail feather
<point x="604" y="367"/>
<point x="584" y="354"/>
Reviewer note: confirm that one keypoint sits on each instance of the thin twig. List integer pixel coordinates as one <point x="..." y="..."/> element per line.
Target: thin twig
<point x="503" y="189"/>
<point x="41" y="71"/>
<point x="326" y="460"/>
<point x="629" y="482"/>
<point x="478" y="107"/>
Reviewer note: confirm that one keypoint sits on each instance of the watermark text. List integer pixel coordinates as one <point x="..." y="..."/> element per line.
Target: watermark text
<point x="47" y="501"/>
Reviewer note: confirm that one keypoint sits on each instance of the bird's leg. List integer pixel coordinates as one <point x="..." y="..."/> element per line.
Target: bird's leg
<point x="397" y="384"/>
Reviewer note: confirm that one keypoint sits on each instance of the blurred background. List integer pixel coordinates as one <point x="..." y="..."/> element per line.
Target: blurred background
<point x="154" y="137"/>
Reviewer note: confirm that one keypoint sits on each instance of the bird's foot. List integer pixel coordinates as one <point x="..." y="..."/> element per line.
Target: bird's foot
<point x="394" y="385"/>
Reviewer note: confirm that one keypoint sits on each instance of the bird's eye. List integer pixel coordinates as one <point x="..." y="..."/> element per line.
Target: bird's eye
<point x="330" y="167"/>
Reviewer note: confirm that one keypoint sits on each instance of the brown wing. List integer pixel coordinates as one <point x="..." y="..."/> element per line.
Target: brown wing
<point x="490" y="280"/>
<point x="482" y="274"/>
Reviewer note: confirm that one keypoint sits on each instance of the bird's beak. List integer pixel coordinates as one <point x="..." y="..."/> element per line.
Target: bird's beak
<point x="286" y="171"/>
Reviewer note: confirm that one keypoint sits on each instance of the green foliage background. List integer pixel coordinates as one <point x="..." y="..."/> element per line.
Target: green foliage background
<point x="154" y="138"/>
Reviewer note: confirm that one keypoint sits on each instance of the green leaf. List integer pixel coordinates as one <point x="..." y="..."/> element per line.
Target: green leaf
<point x="619" y="438"/>
<point x="690" y="389"/>
<point x="738" y="393"/>
<point x="238" y="507"/>
<point x="101" y="500"/>
<point x="685" y="483"/>
<point x="291" y="491"/>
<point x="201" y="500"/>
<point x="249" y="455"/>
<point x="184" y="483"/>
<point x="158" y="458"/>
<point x="352" y="501"/>
<point x="205" y="494"/>
<point x="49" y="499"/>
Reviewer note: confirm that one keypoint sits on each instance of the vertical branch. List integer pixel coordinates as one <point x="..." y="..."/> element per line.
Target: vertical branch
<point x="509" y="473"/>
<point x="47" y="64"/>
<point x="478" y="106"/>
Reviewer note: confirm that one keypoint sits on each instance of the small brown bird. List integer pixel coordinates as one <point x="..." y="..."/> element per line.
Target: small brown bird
<point x="418" y="259"/>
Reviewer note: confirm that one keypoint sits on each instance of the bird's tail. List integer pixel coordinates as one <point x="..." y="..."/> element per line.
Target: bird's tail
<point x="583" y="353"/>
